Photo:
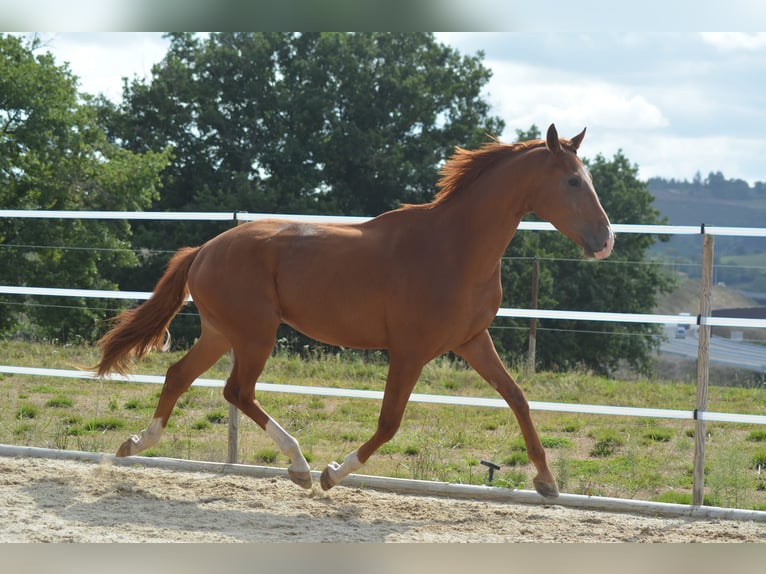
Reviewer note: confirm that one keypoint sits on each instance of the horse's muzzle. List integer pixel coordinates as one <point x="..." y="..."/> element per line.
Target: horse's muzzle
<point x="606" y="248"/>
<point x="599" y="245"/>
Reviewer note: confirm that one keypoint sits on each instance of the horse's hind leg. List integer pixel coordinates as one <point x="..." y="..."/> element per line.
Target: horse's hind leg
<point x="481" y="355"/>
<point x="249" y="361"/>
<point x="402" y="376"/>
<point x="203" y="355"/>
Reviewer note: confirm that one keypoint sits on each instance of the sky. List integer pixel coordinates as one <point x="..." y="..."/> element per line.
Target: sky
<point x="674" y="103"/>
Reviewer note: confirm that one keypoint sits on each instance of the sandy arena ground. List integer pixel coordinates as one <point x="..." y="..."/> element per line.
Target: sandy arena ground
<point x="45" y="500"/>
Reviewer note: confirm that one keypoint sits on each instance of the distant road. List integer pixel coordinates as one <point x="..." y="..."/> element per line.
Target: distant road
<point x="722" y="351"/>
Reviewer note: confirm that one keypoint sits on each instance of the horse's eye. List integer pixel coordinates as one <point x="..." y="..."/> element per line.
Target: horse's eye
<point x="574" y="181"/>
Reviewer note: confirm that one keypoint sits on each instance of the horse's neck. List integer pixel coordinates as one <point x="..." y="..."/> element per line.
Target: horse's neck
<point x="481" y="221"/>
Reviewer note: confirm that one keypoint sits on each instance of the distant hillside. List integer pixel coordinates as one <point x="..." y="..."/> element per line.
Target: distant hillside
<point x="685" y="208"/>
<point x="715" y="201"/>
<point x="686" y="299"/>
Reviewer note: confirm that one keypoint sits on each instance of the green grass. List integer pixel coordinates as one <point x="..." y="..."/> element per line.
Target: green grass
<point x="27" y="412"/>
<point x="60" y="402"/>
<point x="627" y="457"/>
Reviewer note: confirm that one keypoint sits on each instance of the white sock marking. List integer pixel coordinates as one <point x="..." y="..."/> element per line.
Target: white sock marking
<point x="288" y="445"/>
<point x="350" y="464"/>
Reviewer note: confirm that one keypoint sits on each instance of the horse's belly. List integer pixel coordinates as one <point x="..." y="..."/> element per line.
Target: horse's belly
<point x="357" y="330"/>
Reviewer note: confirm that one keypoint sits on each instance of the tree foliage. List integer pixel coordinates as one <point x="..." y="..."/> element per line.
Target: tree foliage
<point x="55" y="155"/>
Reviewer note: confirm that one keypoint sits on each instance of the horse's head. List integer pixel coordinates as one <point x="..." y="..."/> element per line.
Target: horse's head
<point x="567" y="199"/>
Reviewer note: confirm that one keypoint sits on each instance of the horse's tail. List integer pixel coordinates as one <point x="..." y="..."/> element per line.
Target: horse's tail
<point x="137" y="331"/>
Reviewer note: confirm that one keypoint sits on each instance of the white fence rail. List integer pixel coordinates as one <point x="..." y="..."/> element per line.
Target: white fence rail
<point x="699" y="414"/>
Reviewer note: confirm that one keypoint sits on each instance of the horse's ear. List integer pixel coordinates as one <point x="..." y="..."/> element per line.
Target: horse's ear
<point x="552" y="139"/>
<point x="577" y="140"/>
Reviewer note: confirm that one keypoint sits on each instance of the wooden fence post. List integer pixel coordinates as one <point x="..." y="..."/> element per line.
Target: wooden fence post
<point x="703" y="356"/>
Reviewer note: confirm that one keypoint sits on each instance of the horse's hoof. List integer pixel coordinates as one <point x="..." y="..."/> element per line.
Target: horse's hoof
<point x="301" y="478"/>
<point x="546" y="489"/>
<point x="325" y="480"/>
<point x="126" y="448"/>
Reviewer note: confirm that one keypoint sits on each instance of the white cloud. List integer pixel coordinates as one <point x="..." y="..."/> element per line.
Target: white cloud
<point x="735" y="41"/>
<point x="524" y="95"/>
<point x="101" y="60"/>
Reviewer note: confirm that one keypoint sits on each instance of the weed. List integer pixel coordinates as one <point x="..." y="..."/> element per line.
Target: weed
<point x="607" y="440"/>
<point x="60" y="402"/>
<point x="556" y="442"/>
<point x="563" y="470"/>
<point x="411" y="450"/>
<point x="132" y="404"/>
<point x="518" y="444"/>
<point x="201" y="425"/>
<point x="451" y="385"/>
<point x="217" y="417"/>
<point x="659" y="434"/>
<point x="27" y="412"/>
<point x="757" y="436"/>
<point x="104" y="424"/>
<point x="516" y="459"/>
<point x="570" y="427"/>
<point x="678" y="497"/>
<point x="316" y="404"/>
<point x="23" y="431"/>
<point x="511" y="479"/>
<point x="267" y="456"/>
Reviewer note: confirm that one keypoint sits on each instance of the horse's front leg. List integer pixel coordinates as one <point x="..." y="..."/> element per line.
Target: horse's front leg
<point x="481" y="355"/>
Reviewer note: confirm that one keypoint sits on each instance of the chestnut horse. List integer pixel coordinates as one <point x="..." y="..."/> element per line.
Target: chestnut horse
<point x="418" y="281"/>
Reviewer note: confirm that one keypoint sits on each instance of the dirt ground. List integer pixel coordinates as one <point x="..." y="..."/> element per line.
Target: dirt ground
<point x="45" y="500"/>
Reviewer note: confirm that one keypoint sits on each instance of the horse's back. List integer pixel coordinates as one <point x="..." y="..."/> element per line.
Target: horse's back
<point x="326" y="280"/>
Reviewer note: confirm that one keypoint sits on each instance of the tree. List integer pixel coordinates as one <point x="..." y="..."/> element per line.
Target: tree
<point x="626" y="282"/>
<point x="55" y="155"/>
